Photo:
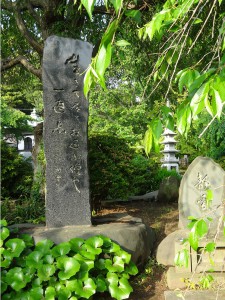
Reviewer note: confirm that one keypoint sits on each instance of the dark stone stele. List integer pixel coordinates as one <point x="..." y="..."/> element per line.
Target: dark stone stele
<point x="65" y="132"/>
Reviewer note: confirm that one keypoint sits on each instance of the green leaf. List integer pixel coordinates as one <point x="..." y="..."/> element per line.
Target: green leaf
<point x="124" y="255"/>
<point x="28" y="239"/>
<point x="88" y="81"/>
<point x="101" y="284"/>
<point x="201" y="228"/>
<point x="89" y="6"/>
<point x="148" y="141"/>
<point x="50" y="293"/>
<point x="76" y="244"/>
<point x="44" y="246"/>
<point x="157" y="129"/>
<point x="4" y="233"/>
<point x="182" y="258"/>
<point x="198" y="101"/>
<point x="15" y="278"/>
<point x="120" y="289"/>
<point x="131" y="269"/>
<point x="45" y="272"/>
<point x="61" y="249"/>
<point x="35" y="293"/>
<point x="15" y="246"/>
<point x="210" y="247"/>
<point x="135" y="14"/>
<point x="199" y="80"/>
<point x="122" y="43"/>
<point x="94" y="241"/>
<point x="117" y="265"/>
<point x="197" y="21"/>
<point x="69" y="266"/>
<point x="193" y="238"/>
<point x="84" y="289"/>
<point x="34" y="259"/>
<point x="118" y="4"/>
<point x="112" y="247"/>
<point x="187" y="78"/>
<point x="184" y="115"/>
<point x="218" y="103"/>
<point x="3" y="223"/>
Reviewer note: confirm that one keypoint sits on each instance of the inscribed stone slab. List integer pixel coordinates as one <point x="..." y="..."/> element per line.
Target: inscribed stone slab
<point x="203" y="174"/>
<point x="65" y="131"/>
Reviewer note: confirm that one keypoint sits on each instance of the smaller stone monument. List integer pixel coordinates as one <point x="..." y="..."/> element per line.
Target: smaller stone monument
<point x="203" y="178"/>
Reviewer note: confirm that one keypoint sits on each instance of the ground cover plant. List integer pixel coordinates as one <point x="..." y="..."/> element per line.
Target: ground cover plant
<point x="76" y="269"/>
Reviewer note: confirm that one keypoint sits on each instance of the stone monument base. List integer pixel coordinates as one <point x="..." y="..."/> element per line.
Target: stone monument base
<point x="194" y="295"/>
<point x="130" y="233"/>
<point x="179" y="280"/>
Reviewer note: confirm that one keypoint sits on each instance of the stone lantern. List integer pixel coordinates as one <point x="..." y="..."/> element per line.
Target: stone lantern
<point x="169" y="160"/>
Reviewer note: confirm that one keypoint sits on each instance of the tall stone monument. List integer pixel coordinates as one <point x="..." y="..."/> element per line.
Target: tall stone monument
<point x="65" y="132"/>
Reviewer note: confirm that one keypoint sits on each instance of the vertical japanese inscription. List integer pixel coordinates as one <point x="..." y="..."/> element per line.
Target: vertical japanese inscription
<point x="65" y="132"/>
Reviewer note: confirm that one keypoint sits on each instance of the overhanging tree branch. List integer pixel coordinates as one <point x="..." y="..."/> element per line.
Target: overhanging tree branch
<point x="9" y="63"/>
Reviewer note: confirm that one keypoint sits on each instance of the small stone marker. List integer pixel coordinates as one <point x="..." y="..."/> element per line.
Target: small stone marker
<point x="202" y="175"/>
<point x="65" y="132"/>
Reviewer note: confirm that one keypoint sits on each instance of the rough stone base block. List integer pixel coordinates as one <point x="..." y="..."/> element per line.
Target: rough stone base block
<point x="176" y="280"/>
<point x="130" y="233"/>
<point x="194" y="295"/>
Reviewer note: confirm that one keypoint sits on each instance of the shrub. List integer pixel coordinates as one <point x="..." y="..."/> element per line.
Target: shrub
<point x="71" y="270"/>
<point x="16" y="172"/>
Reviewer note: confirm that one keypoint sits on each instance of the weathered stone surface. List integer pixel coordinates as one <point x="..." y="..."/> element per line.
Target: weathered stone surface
<point x="165" y="253"/>
<point x="194" y="295"/>
<point x="132" y="235"/>
<point x="65" y="131"/>
<point x="176" y="280"/>
<point x="169" y="190"/>
<point x="152" y="196"/>
<point x="202" y="174"/>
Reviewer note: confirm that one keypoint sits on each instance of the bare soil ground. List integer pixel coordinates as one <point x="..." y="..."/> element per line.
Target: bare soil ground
<point x="150" y="284"/>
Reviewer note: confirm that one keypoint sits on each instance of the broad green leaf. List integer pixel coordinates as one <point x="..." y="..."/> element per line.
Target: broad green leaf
<point x="61" y="249"/>
<point x="121" y="290"/>
<point x="35" y="293"/>
<point x="116" y="266"/>
<point x="28" y="239"/>
<point x="218" y="103"/>
<point x="182" y="258"/>
<point x="210" y="247"/>
<point x="193" y="238"/>
<point x="46" y="271"/>
<point x="148" y="141"/>
<point x="197" y="21"/>
<point x="88" y="81"/>
<point x="113" y="247"/>
<point x="3" y="223"/>
<point x="15" y="246"/>
<point x="201" y="228"/>
<point x="94" y="241"/>
<point x="101" y="284"/>
<point x="131" y="269"/>
<point x="84" y="289"/>
<point x="44" y="246"/>
<point x="187" y="78"/>
<point x="135" y="14"/>
<point x="50" y="293"/>
<point x="157" y="128"/>
<point x="34" y="259"/>
<point x="122" y="43"/>
<point x="184" y="115"/>
<point x="198" y="101"/>
<point x="69" y="266"/>
<point x="118" y="4"/>
<point x="15" y="278"/>
<point x="63" y="293"/>
<point x="76" y="244"/>
<point x="100" y="264"/>
<point x="91" y="249"/>
<point x="200" y="79"/>
<point x="124" y="255"/>
<point x="4" y="233"/>
<point x="89" y="6"/>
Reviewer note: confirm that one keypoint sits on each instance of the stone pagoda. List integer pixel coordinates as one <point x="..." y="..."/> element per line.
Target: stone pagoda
<point x="169" y="160"/>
